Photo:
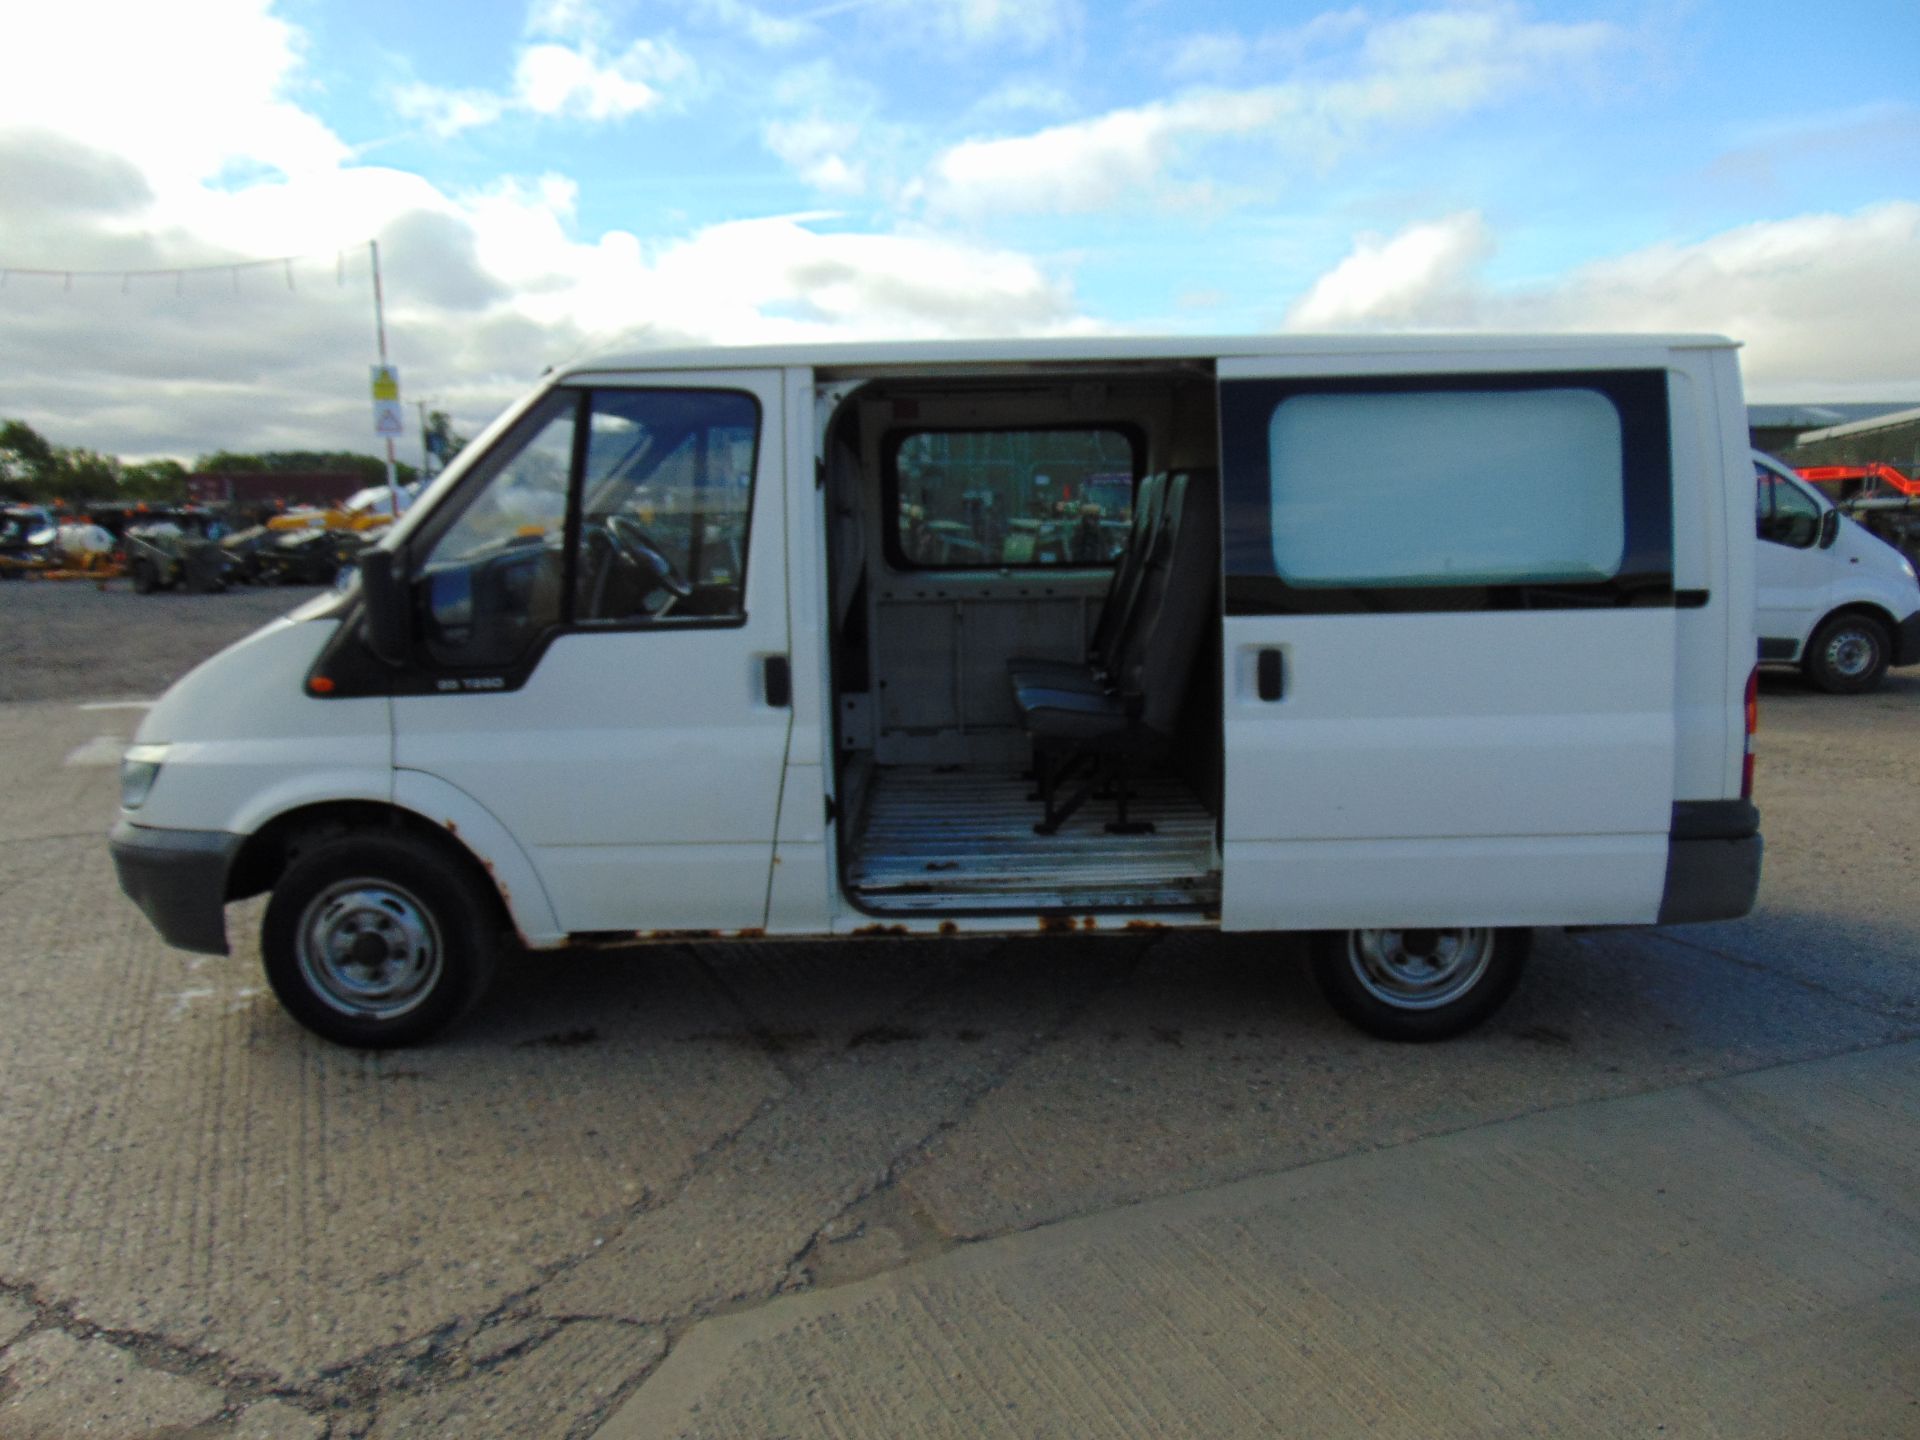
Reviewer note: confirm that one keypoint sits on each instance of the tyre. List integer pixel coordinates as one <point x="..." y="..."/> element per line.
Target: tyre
<point x="143" y="578"/>
<point x="1848" y="654"/>
<point x="1419" y="984"/>
<point x="376" y="939"/>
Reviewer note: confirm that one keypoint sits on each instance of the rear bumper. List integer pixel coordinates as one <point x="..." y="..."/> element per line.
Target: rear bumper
<point x="1713" y="861"/>
<point x="178" y="878"/>
<point x="1906" y="641"/>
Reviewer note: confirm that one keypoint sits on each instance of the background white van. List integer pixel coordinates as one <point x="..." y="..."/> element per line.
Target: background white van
<point x="1831" y="597"/>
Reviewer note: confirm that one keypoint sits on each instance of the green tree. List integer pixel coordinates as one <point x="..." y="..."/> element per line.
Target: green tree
<point x="443" y="441"/>
<point x="25" y="459"/>
<point x="156" y="481"/>
<point x="368" y="468"/>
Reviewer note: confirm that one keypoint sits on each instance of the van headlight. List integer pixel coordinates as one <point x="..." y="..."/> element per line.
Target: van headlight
<point x="139" y="768"/>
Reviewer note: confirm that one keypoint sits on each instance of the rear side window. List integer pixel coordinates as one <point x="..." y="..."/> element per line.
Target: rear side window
<point x="1495" y="492"/>
<point x="1009" y="499"/>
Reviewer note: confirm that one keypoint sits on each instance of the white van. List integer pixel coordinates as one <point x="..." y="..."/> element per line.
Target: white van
<point x="1414" y="644"/>
<point x="1829" y="596"/>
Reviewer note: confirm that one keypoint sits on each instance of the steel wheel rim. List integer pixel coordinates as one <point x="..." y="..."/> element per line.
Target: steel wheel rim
<point x="1851" y="653"/>
<point x="369" y="949"/>
<point x="1419" y="969"/>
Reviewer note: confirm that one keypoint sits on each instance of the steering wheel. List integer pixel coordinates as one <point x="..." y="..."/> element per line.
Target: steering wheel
<point x="657" y="569"/>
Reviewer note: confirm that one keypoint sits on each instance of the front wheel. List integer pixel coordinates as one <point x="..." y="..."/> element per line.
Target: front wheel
<point x="378" y="939"/>
<point x="1419" y="984"/>
<point x="1848" y="654"/>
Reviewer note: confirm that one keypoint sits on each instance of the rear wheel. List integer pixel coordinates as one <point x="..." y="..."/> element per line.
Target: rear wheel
<point x="377" y="939"/>
<point x="143" y="578"/>
<point x="1848" y="654"/>
<point x="1419" y="984"/>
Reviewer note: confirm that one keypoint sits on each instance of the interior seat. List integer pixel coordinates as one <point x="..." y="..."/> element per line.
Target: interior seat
<point x="1133" y="716"/>
<point x="1089" y="675"/>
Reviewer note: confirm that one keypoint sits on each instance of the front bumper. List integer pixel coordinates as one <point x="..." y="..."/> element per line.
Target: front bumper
<point x="1906" y="641"/>
<point x="178" y="878"/>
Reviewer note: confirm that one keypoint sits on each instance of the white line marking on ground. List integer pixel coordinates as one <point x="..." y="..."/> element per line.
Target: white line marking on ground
<point x="118" y="705"/>
<point x="101" y="750"/>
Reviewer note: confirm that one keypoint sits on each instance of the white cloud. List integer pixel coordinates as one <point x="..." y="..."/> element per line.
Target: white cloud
<point x="1823" y="303"/>
<point x="567" y="72"/>
<point x="1416" y="70"/>
<point x="817" y="150"/>
<point x="1417" y="278"/>
<point x="554" y="80"/>
<point x="89" y="71"/>
<point x="1023" y="23"/>
<point x="771" y="32"/>
<point x="1093" y="164"/>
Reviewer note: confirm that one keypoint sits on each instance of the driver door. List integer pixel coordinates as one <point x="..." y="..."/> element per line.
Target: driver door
<point x="600" y="605"/>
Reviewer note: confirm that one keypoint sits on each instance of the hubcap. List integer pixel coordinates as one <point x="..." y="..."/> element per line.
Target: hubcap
<point x="1850" y="653"/>
<point x="369" y="949"/>
<point x="1419" y="969"/>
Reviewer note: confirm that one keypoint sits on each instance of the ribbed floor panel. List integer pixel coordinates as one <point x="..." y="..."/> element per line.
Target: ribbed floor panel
<point x="963" y="840"/>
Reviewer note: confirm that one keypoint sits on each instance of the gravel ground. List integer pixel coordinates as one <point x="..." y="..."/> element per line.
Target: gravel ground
<point x="71" y="640"/>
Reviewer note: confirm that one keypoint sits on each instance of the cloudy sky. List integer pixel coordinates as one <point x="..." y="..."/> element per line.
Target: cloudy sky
<point x="551" y="178"/>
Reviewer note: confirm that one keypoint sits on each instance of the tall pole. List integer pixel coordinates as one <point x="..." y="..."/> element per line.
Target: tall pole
<point x="380" y="325"/>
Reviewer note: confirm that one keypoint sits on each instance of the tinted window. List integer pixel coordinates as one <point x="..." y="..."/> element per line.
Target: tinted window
<point x="1010" y="498"/>
<point x="669" y="485"/>
<point x="1437" y="488"/>
<point x="1458" y="492"/>
<point x="1786" y="515"/>
<point x="647" y="512"/>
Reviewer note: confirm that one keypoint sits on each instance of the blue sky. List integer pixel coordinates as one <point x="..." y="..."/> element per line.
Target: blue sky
<point x="557" y="176"/>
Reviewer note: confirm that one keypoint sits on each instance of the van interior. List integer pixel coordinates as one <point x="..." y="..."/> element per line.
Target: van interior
<point x="1023" y="577"/>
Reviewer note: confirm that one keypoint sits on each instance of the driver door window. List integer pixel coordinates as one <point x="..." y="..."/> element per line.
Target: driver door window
<point x="644" y="523"/>
<point x="663" y="526"/>
<point x="1786" y="514"/>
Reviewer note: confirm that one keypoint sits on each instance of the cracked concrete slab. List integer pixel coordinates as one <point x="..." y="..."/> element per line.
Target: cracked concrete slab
<point x="272" y="1420"/>
<point x="1615" y="1268"/>
<point x="737" y="1227"/>
<point x="1216" y="1061"/>
<point x="220" y="1176"/>
<point x="57" y="1387"/>
<point x="16" y="1316"/>
<point x="547" y="1391"/>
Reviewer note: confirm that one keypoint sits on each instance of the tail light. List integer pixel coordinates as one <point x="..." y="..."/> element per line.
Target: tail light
<point x="1753" y="724"/>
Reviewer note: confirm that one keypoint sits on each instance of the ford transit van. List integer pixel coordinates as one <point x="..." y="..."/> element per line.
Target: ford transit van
<point x="1831" y="597"/>
<point x="1411" y="644"/>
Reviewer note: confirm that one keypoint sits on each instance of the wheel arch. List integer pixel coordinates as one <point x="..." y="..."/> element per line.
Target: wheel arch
<point x="1867" y="608"/>
<point x="493" y="860"/>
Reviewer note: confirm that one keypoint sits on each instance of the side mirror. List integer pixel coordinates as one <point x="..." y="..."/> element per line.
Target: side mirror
<point x="1829" y="528"/>
<point x="383" y="589"/>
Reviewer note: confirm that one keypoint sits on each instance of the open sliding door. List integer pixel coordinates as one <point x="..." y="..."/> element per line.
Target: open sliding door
<point x="1449" y="639"/>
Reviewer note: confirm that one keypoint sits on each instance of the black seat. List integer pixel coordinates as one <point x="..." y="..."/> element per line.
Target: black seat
<point x="1133" y="716"/>
<point x="1088" y="675"/>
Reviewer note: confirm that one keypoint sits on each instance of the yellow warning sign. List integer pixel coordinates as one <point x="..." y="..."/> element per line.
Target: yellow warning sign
<point x="386" y="382"/>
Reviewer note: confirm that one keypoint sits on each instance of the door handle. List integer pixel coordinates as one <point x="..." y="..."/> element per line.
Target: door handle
<point x="778" y="675"/>
<point x="1270" y="675"/>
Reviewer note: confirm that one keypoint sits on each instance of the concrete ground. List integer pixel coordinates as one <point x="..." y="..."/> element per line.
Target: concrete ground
<point x="1114" y="1186"/>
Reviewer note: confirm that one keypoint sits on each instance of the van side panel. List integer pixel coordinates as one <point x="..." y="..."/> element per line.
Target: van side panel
<point x="800" y="891"/>
<point x="1450" y="636"/>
